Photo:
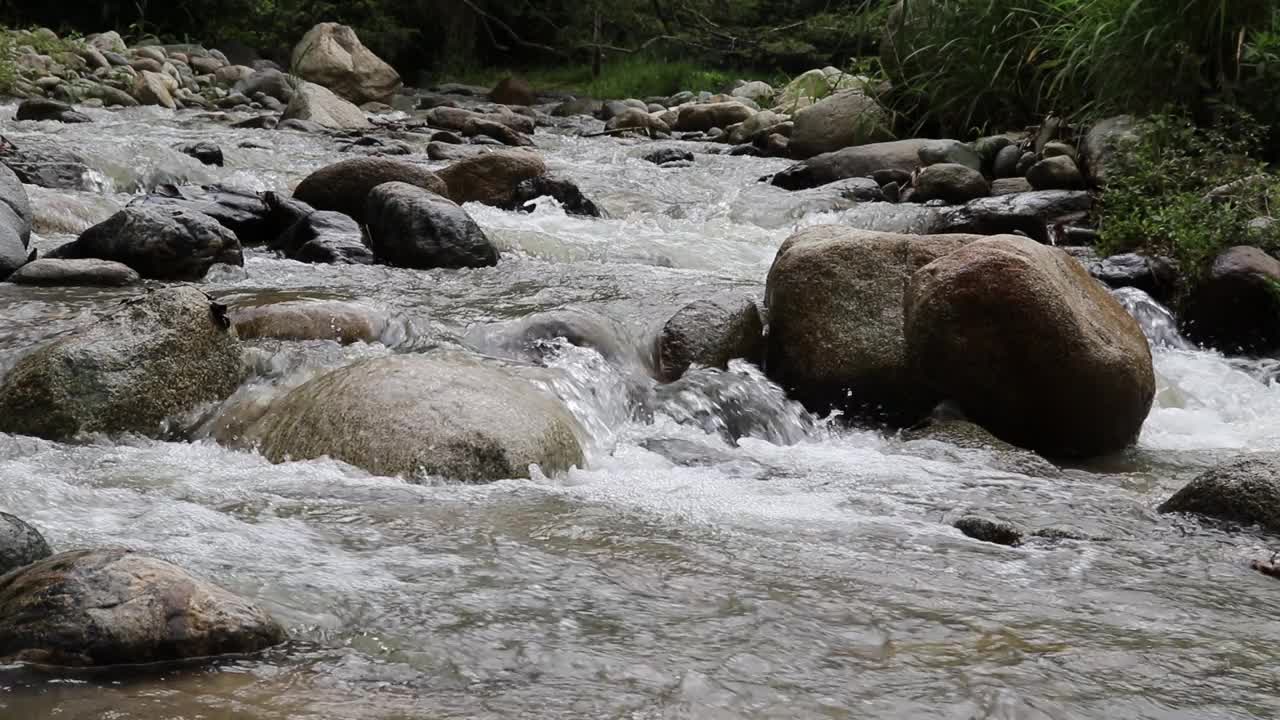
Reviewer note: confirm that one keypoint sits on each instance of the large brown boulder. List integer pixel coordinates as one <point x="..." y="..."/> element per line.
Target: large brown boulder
<point x="513" y="91"/>
<point x="1031" y="347"/>
<point x="1235" y="306"/>
<point x="417" y="415"/>
<point x="491" y="178"/>
<point x="345" y="185"/>
<point x="835" y="299"/>
<point x="114" y="607"/>
<point x="333" y="56"/>
<point x="152" y="357"/>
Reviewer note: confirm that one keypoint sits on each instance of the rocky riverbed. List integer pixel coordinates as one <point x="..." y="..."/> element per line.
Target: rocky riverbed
<point x="448" y="407"/>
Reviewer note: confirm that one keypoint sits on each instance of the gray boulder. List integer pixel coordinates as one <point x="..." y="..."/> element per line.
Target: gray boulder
<point x="49" y="271"/>
<point x="315" y="103"/>
<point x="1028" y="213"/>
<point x="835" y="300"/>
<point x="637" y="120"/>
<point x="15" y="222"/>
<point x="159" y="243"/>
<point x="1101" y="145"/>
<point x="415" y="228"/>
<point x="20" y="544"/>
<point x="324" y="236"/>
<point x="92" y="608"/>
<point x="903" y="155"/>
<point x="333" y="56"/>
<point x="1015" y="354"/>
<point x="844" y="119"/>
<point x="344" y="186"/>
<point x="704" y="116"/>
<point x="419" y="415"/>
<point x="1245" y="490"/>
<point x="148" y="359"/>
<point x="710" y="333"/>
<point x="951" y="182"/>
<point x="271" y="83"/>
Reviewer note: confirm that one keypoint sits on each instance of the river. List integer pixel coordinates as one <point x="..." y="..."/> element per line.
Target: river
<point x="681" y="574"/>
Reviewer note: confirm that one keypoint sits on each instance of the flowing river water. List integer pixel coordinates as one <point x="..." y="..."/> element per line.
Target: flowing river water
<point x="804" y="570"/>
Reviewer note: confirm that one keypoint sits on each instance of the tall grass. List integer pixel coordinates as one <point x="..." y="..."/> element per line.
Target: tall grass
<point x="973" y="64"/>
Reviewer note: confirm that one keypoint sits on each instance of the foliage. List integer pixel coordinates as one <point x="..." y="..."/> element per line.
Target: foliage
<point x="629" y="77"/>
<point x="1157" y="196"/>
<point x="975" y="64"/>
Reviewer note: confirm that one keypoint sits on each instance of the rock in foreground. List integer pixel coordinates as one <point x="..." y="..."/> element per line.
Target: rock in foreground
<point x="1030" y="347"/>
<point x="152" y="357"/>
<point x="417" y="415"/>
<point x="112" y="607"/>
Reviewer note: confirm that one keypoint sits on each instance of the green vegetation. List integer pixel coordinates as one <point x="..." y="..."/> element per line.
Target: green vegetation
<point x="967" y="65"/>
<point x="1158" y="196"/>
<point x="635" y="76"/>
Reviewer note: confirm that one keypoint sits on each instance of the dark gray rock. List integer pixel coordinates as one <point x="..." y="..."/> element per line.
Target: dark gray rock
<point x="204" y="151"/>
<point x="1006" y="162"/>
<point x="710" y="333"/>
<point x="1156" y="276"/>
<point x="1029" y="213"/>
<point x="416" y="228"/>
<point x="20" y="544"/>
<point x="146" y="360"/>
<point x="269" y="82"/>
<point x="259" y="122"/>
<point x="93" y="608"/>
<point x="159" y="243"/>
<point x="49" y="271"/>
<point x="950" y="151"/>
<point x="243" y="212"/>
<point x="44" y="109"/>
<point x="884" y="176"/>
<point x="1235" y="307"/>
<point x="325" y="236"/>
<point x="1055" y="173"/>
<point x="345" y="186"/>
<point x="1246" y="490"/>
<point x="563" y="190"/>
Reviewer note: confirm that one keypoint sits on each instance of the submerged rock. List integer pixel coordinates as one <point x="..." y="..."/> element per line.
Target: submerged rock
<point x="1235" y="306"/>
<point x="50" y="271"/>
<point x="344" y="186"/>
<point x="333" y="56"/>
<point x="418" y="415"/>
<point x="159" y="243"/>
<point x="341" y="321"/>
<point x="835" y="299"/>
<point x="710" y="333"/>
<point x="415" y="228"/>
<point x="204" y="151"/>
<point x="148" y="359"/>
<point x="992" y="530"/>
<point x="1245" y="490"/>
<point x="1045" y="358"/>
<point x="664" y="155"/>
<point x="20" y="544"/>
<point x="114" y="607"/>
<point x="491" y="178"/>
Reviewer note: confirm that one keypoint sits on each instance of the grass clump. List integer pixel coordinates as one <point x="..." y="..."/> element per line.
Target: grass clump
<point x="1160" y="196"/>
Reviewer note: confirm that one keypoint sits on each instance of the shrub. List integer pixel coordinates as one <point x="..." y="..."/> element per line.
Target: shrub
<point x="1157" y="196"/>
